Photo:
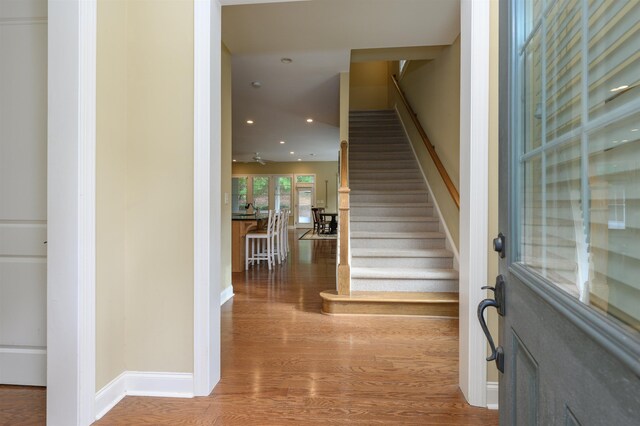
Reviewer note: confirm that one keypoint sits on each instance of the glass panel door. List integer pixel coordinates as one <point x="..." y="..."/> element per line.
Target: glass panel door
<point x="304" y="198"/>
<point x="578" y="153"/>
<point x="568" y="291"/>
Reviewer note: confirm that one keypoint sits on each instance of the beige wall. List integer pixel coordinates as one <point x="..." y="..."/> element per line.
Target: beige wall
<point x="492" y="258"/>
<point x="324" y="171"/>
<point x="393" y="68"/>
<point x="433" y="90"/>
<point x="369" y="86"/>
<point x="111" y="185"/>
<point x="144" y="187"/>
<point x="225" y="169"/>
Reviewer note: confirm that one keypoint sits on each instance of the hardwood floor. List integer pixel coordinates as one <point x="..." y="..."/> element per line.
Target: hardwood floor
<point x="22" y="405"/>
<point x="284" y="363"/>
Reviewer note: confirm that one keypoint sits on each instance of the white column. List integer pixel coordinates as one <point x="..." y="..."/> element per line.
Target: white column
<point x="71" y="212"/>
<point x="207" y="194"/>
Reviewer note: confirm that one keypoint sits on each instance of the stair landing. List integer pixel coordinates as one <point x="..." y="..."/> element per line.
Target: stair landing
<point x="434" y="304"/>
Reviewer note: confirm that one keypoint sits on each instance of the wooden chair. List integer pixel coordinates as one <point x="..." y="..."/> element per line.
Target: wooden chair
<point x="319" y="225"/>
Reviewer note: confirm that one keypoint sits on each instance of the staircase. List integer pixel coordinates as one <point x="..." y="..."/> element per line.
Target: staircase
<point x="399" y="261"/>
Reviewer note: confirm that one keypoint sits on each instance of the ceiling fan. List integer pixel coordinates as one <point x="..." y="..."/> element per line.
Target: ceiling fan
<point x="258" y="159"/>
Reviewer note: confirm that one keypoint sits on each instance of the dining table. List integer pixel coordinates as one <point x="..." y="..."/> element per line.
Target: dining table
<point x="333" y="224"/>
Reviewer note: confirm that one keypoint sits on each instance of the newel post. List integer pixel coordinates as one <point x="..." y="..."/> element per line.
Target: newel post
<point x="344" y="267"/>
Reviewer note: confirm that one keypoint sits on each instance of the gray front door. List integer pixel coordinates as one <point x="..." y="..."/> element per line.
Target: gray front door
<point x="570" y="212"/>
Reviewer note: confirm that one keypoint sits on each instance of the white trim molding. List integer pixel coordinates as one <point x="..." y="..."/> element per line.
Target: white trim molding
<point x="71" y="211"/>
<point x="201" y="197"/>
<point x="87" y="206"/>
<point x="207" y="195"/>
<point x="142" y="383"/>
<point x="492" y="395"/>
<point x="474" y="192"/>
<point x="226" y="295"/>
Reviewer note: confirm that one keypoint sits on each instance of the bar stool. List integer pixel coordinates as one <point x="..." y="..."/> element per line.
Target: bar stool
<point x="255" y="239"/>
<point x="285" y="233"/>
<point x="277" y="237"/>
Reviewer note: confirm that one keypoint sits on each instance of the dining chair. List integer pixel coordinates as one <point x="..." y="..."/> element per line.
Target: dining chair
<point x="316" y="219"/>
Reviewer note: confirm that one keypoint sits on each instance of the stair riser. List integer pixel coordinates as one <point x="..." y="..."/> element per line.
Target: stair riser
<point x="397" y="243"/>
<point x="381" y="176"/>
<point x="354" y="165"/>
<point x="403" y="262"/>
<point x="366" y="148"/>
<point x="394" y="226"/>
<point x="380" y="156"/>
<point x="391" y="211"/>
<point x="382" y="119"/>
<point x="388" y="198"/>
<point x="377" y="124"/>
<point x="368" y="185"/>
<point x="397" y="140"/>
<point x="381" y="128"/>
<point x="368" y="284"/>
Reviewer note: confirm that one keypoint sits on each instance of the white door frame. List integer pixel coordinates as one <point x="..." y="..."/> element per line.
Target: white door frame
<point x="474" y="193"/>
<point x="71" y="212"/>
<point x="207" y="195"/>
<point x="71" y="204"/>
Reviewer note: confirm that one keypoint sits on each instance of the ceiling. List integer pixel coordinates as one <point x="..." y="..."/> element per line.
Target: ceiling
<point x="319" y="36"/>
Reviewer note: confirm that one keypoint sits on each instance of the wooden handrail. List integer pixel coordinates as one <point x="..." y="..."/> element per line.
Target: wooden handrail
<point x="453" y="191"/>
<point x="344" y="266"/>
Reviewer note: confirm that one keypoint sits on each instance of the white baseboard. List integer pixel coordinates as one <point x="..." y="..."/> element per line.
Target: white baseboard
<point x="143" y="383"/>
<point x="492" y="395"/>
<point x="226" y="294"/>
<point x="110" y="395"/>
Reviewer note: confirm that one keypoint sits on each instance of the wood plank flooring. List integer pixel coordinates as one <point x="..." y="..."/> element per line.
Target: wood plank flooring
<point x="22" y="405"/>
<point x="284" y="363"/>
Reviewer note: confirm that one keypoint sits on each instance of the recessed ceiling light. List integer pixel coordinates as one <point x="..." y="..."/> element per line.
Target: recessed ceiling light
<point x="617" y="89"/>
<point x="249" y="121"/>
<point x="286" y="60"/>
<point x="281" y="142"/>
<point x="299" y="159"/>
<point x="309" y="120"/>
<point x="291" y="152"/>
<point x="234" y="160"/>
<point x="256" y="84"/>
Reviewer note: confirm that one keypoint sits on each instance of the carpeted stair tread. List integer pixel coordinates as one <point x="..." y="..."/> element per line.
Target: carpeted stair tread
<point x="404" y="273"/>
<point x="355" y="218"/>
<point x="373" y="235"/>
<point x="417" y="253"/>
<point x="391" y="204"/>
